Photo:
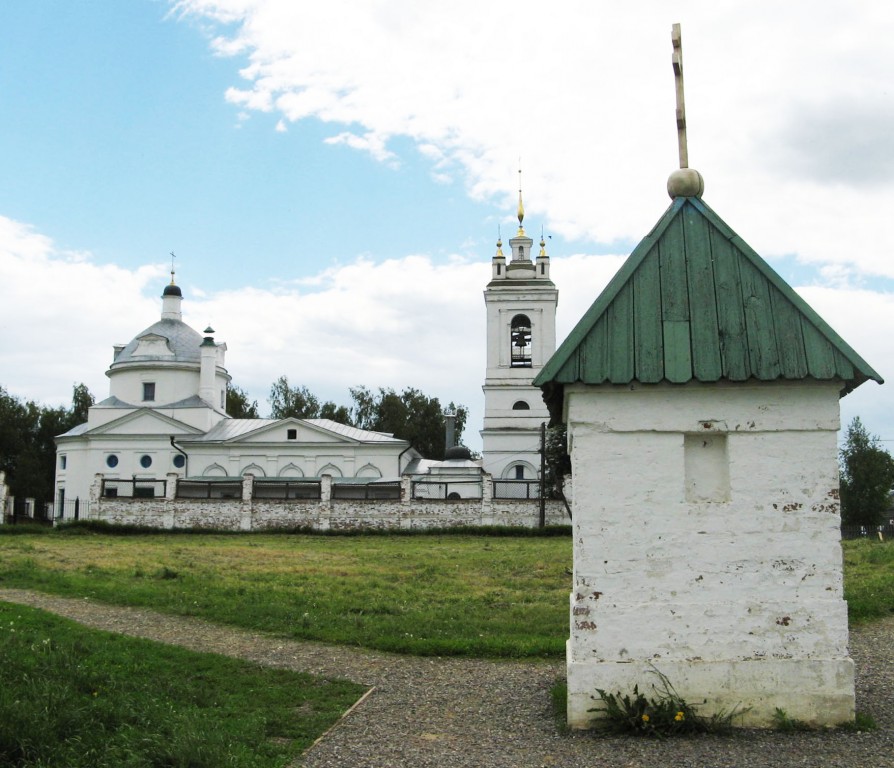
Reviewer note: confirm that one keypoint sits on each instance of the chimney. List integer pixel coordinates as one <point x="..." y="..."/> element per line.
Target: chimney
<point x="450" y="424"/>
<point x="208" y="369"/>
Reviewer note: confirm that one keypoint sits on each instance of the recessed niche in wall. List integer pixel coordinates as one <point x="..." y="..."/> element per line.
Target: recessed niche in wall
<point x="706" y="465"/>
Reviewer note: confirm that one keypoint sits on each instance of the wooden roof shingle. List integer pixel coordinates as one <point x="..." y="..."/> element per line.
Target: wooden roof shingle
<point x="694" y="302"/>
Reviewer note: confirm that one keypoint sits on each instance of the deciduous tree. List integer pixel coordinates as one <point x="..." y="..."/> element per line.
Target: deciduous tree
<point x="238" y="406"/>
<point x="27" y="440"/>
<point x="867" y="476"/>
<point x="410" y="415"/>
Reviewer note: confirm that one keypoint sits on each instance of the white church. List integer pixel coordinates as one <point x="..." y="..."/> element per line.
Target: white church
<point x="165" y="413"/>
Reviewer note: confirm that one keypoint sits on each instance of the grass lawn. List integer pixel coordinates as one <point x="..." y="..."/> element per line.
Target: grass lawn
<point x="869" y="579"/>
<point x="435" y="594"/>
<point x="75" y="697"/>
<point x="429" y="594"/>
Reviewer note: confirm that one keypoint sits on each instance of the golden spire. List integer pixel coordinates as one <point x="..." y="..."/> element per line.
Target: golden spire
<point x="521" y="208"/>
<point x="499" y="253"/>
<point x="542" y="243"/>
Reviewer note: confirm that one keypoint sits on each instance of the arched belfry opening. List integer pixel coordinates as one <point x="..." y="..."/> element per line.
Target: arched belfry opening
<point x="520" y="336"/>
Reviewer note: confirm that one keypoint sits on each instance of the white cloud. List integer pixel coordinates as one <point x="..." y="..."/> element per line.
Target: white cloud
<point x="60" y="314"/>
<point x="789" y="116"/>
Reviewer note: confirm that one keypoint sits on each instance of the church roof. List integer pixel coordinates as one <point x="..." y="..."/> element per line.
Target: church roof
<point x="694" y="302"/>
<point x="232" y="429"/>
<point x="182" y="345"/>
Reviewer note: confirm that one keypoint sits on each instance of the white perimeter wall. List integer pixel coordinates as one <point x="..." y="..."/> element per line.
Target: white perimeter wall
<point x="707" y="545"/>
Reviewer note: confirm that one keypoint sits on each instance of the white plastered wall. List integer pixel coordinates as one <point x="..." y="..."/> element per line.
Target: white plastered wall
<point x="707" y="546"/>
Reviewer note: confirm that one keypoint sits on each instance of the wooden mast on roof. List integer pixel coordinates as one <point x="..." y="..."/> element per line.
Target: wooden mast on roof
<point x="685" y="182"/>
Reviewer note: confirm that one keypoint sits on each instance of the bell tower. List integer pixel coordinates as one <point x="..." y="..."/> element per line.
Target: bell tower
<point x="521" y="304"/>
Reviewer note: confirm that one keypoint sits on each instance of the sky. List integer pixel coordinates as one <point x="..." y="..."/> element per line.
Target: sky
<point x="333" y="177"/>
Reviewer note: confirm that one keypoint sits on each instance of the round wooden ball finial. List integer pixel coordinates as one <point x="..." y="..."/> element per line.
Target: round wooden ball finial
<point x="685" y="182"/>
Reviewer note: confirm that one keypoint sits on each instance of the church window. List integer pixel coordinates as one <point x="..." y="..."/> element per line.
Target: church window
<point x="112" y="460"/>
<point x="521" y="251"/>
<point x="291" y="434"/>
<point x="521" y="405"/>
<point x="148" y="391"/>
<point x="145" y="461"/>
<point x="63" y="461"/>
<point x="520" y="335"/>
<point x="519" y="472"/>
<point x="179" y="461"/>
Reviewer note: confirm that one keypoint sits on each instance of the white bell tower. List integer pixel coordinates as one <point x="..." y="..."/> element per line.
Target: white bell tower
<point x="521" y="336"/>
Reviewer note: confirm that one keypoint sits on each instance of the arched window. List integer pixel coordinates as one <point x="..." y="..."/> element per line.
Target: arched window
<point x="520" y="340"/>
<point x="520" y="405"/>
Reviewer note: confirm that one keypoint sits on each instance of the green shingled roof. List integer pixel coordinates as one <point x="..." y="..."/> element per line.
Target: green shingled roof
<point x="694" y="302"/>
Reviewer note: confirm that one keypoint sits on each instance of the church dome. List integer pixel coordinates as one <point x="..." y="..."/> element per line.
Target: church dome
<point x="169" y="341"/>
<point x="458" y="452"/>
<point x="172" y="290"/>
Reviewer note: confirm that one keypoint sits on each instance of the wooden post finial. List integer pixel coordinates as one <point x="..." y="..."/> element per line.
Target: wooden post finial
<point x="677" y="40"/>
<point x="686" y="181"/>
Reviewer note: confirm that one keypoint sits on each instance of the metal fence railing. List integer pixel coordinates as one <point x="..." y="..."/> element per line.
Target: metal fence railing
<point x="306" y="490"/>
<point x="136" y="488"/>
<point x="224" y="488"/>
<point x="367" y="491"/>
<point x="867" y="531"/>
<point x="516" y="489"/>
<point x="447" y="489"/>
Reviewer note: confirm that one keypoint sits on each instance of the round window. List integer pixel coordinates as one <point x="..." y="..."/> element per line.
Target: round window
<point x="111" y="460"/>
<point x="145" y="461"/>
<point x="179" y="461"/>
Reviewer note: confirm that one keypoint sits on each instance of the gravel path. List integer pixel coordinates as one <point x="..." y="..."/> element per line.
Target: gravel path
<point x="490" y="714"/>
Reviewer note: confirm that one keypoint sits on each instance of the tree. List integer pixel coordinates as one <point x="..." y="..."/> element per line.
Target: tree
<point x="27" y="440"/>
<point x="294" y="402"/>
<point x="238" y="406"/>
<point x="300" y="403"/>
<point x="557" y="460"/>
<point x="81" y="400"/>
<point x="867" y="476"/>
<point x="410" y="415"/>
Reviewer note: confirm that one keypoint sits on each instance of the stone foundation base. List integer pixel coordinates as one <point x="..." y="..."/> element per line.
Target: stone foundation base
<point x="819" y="692"/>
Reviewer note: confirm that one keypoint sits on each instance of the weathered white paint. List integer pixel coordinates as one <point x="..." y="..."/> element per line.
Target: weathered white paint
<point x="707" y="546"/>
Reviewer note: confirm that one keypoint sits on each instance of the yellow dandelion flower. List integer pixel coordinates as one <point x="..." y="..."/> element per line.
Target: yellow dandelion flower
<point x="679" y="717"/>
<point x="645" y="718"/>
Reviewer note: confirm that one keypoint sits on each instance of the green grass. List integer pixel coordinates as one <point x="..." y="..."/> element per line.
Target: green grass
<point x="869" y="579"/>
<point x="499" y="596"/>
<point x="75" y="697"/>
<point x="434" y="594"/>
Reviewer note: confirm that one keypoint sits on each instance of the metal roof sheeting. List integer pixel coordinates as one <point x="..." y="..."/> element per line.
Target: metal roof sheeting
<point x="231" y="429"/>
<point x="694" y="302"/>
<point x="182" y="341"/>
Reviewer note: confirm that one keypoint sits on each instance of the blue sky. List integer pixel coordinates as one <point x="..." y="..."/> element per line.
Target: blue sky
<point x="332" y="178"/>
